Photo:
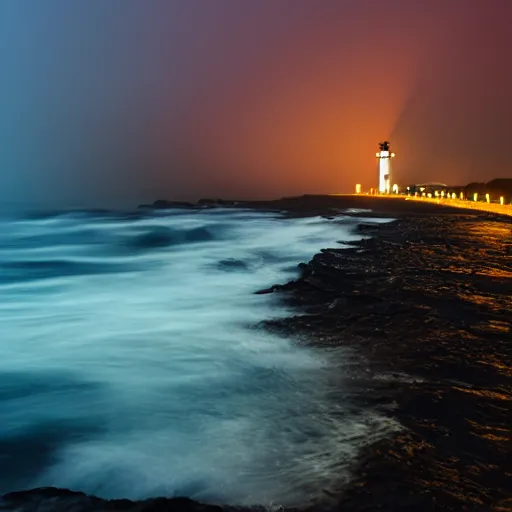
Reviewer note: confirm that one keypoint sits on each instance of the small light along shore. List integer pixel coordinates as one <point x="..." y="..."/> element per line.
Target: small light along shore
<point x="502" y="209"/>
<point x="467" y="204"/>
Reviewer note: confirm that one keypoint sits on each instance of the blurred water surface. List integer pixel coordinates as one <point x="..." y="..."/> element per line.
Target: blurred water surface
<point x="130" y="364"/>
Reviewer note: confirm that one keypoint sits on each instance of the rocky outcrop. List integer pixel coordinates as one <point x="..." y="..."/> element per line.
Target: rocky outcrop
<point x="51" y="499"/>
<point x="427" y="302"/>
<point x="164" y="204"/>
<point x="217" y="202"/>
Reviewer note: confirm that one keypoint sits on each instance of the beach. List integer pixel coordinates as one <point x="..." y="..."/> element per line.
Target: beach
<point x="427" y="299"/>
<point x="424" y="300"/>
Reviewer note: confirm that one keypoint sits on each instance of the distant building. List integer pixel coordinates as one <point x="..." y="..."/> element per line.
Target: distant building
<point x="427" y="188"/>
<point x="497" y="189"/>
<point x="384" y="157"/>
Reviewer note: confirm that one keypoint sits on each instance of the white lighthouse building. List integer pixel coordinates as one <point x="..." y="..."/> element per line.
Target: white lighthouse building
<point x="384" y="157"/>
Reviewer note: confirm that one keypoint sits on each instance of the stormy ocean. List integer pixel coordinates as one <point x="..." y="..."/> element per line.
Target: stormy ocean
<point x="132" y="364"/>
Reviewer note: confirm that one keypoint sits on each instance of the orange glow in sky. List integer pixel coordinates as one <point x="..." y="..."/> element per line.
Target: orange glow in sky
<point x="256" y="98"/>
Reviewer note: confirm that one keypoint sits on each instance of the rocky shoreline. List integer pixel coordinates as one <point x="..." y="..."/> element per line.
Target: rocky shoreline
<point x="426" y="300"/>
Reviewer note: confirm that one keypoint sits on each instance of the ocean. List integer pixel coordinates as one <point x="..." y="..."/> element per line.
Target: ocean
<point x="133" y="362"/>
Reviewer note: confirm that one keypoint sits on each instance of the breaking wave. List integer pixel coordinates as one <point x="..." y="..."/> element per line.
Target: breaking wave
<point x="132" y="364"/>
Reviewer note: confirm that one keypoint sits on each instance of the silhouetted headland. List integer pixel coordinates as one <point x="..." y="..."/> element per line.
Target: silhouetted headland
<point x="320" y="203"/>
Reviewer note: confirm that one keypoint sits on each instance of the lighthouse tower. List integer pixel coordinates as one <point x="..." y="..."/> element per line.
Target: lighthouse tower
<point x="384" y="157"/>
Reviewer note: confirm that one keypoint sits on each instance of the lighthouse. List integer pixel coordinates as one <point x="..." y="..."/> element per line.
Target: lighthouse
<point x="384" y="157"/>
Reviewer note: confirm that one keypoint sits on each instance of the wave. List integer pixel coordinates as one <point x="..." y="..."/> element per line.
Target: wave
<point x="160" y="236"/>
<point x="20" y="271"/>
<point x="132" y="363"/>
<point x="232" y="264"/>
<point x="88" y="214"/>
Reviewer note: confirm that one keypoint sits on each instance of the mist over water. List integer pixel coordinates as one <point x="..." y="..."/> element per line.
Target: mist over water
<point x="131" y="363"/>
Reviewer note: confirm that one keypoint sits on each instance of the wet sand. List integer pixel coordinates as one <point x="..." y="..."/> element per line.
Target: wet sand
<point x="427" y="301"/>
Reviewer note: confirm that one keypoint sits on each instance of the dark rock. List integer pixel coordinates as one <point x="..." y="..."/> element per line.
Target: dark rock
<point x="232" y="264"/>
<point x="217" y="202"/>
<point x="306" y="270"/>
<point x="51" y="499"/>
<point x="163" y="204"/>
<point x="426" y="301"/>
<point x="265" y="291"/>
<point x="365" y="228"/>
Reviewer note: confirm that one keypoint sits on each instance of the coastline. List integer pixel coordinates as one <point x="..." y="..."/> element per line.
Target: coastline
<point x="424" y="300"/>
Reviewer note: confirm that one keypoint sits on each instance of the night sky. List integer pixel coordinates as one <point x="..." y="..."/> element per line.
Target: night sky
<point x="107" y="102"/>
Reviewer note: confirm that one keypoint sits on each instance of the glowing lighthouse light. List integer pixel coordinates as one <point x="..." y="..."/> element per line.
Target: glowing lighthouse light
<point x="384" y="157"/>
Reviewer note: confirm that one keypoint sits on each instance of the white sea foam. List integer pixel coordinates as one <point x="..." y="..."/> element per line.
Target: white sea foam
<point x="130" y="365"/>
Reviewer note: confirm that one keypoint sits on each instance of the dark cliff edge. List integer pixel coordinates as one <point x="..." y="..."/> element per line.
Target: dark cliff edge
<point x="426" y="300"/>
